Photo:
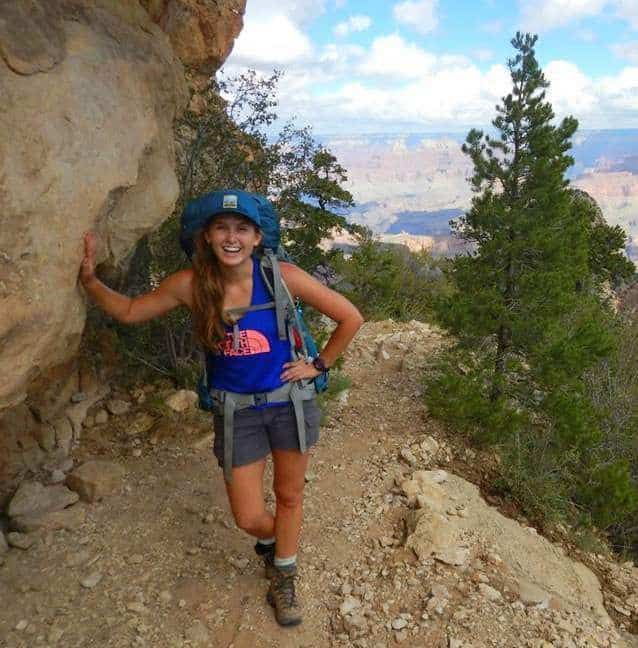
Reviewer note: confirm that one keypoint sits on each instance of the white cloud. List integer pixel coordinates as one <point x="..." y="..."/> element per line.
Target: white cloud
<point x="627" y="51"/>
<point x="356" y="23"/>
<point x="570" y="90"/>
<point x="391" y="56"/>
<point x="621" y="91"/>
<point x="543" y="15"/>
<point x="275" y="41"/>
<point x="300" y="12"/>
<point x="418" y="14"/>
<point x="628" y="10"/>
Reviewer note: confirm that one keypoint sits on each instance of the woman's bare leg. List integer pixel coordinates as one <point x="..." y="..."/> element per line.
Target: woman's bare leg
<point x="246" y="498"/>
<point x="289" y="480"/>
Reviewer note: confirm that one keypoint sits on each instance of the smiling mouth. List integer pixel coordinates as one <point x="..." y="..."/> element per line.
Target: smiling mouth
<point x="231" y="250"/>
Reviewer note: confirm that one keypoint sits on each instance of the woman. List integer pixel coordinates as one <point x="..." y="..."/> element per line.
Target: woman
<point x="225" y="277"/>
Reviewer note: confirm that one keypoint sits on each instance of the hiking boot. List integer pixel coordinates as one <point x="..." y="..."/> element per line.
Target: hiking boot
<point x="281" y="596"/>
<point x="267" y="553"/>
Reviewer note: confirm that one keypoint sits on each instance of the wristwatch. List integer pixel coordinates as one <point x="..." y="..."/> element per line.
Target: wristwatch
<point x="319" y="364"/>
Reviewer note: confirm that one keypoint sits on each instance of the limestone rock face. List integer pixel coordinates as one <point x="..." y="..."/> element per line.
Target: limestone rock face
<point x="90" y="90"/>
<point x="202" y="32"/>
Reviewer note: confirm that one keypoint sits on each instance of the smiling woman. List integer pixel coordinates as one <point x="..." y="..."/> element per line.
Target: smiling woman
<point x="264" y="398"/>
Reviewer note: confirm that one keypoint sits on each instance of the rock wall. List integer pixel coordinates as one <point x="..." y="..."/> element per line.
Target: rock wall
<point x="90" y="90"/>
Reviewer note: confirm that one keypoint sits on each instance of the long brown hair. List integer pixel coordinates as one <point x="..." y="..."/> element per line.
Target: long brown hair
<point x="208" y="295"/>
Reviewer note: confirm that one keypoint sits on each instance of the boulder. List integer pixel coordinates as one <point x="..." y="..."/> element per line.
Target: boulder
<point x="34" y="499"/>
<point x="202" y="32"/>
<point x="542" y="571"/>
<point x="95" y="480"/>
<point x="90" y="93"/>
<point x="68" y="518"/>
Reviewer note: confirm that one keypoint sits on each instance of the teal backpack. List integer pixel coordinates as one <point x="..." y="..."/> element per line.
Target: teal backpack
<point x="289" y="313"/>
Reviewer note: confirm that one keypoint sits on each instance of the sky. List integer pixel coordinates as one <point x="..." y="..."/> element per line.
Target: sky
<point x="377" y="66"/>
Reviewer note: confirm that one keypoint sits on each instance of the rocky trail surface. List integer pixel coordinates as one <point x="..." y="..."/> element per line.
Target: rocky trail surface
<point x="397" y="547"/>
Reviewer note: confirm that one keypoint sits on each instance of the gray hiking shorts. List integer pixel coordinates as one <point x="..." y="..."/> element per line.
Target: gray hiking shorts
<point x="257" y="432"/>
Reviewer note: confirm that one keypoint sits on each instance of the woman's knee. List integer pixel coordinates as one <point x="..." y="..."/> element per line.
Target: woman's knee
<point x="250" y="522"/>
<point x="289" y="496"/>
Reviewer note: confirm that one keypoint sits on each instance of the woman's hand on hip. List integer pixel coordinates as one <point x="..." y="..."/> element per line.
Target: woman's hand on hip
<point x="299" y="370"/>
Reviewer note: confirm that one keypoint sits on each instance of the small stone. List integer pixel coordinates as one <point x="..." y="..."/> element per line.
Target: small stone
<point x="136" y="559"/>
<point x="137" y="452"/>
<point x="182" y="400"/>
<point x="118" y="407"/>
<point x="101" y="417"/>
<point x="399" y="623"/>
<point x="20" y="540"/>
<point x="489" y="592"/>
<point x="409" y="457"/>
<point x="57" y="477"/>
<point x="78" y="397"/>
<point x="140" y="424"/>
<point x="91" y="580"/>
<point x="21" y="625"/>
<point x="349" y="605"/>
<point x="181" y="603"/>
<point x="94" y="480"/>
<point x="165" y="596"/>
<point x="136" y="607"/>
<point x="455" y="556"/>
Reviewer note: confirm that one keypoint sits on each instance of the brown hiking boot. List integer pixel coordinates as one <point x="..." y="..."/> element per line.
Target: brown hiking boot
<point x="267" y="554"/>
<point x="281" y="596"/>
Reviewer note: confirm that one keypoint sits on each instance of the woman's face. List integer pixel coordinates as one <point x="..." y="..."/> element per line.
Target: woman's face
<point x="232" y="239"/>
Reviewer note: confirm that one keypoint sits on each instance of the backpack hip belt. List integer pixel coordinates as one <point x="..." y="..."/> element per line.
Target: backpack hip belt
<point x="227" y="403"/>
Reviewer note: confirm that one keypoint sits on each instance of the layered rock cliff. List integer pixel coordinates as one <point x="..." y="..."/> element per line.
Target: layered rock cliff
<point x="90" y="91"/>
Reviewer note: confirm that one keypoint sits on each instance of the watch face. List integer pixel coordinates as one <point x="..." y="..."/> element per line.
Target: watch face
<point x="319" y="364"/>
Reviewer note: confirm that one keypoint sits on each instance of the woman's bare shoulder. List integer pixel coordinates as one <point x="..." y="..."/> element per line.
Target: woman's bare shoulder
<point x="180" y="284"/>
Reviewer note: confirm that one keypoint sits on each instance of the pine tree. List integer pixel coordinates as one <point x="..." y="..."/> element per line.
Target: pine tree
<point x="530" y="246"/>
<point x="529" y="310"/>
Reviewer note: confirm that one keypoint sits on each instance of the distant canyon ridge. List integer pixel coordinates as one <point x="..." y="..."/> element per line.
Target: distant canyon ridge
<point x="409" y="186"/>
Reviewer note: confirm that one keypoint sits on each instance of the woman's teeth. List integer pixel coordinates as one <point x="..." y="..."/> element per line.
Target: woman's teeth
<point x="230" y="249"/>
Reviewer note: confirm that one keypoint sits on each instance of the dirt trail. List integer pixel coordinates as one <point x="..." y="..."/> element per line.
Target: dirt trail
<point x="174" y="571"/>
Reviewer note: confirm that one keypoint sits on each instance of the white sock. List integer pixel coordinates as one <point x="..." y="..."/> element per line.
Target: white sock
<point x="266" y="541"/>
<point x="285" y="563"/>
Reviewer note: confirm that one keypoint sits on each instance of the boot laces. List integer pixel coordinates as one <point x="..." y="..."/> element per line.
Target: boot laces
<point x="286" y="590"/>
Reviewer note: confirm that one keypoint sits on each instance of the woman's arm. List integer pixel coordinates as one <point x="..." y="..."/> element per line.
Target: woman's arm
<point x="331" y="304"/>
<point x="175" y="290"/>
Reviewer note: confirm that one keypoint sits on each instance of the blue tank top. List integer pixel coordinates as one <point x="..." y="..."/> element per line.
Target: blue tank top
<point x="257" y="364"/>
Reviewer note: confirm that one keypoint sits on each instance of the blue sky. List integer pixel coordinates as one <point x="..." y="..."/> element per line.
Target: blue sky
<point x="438" y="65"/>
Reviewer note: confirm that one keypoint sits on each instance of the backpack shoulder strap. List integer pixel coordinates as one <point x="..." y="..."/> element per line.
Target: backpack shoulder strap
<point x="269" y="265"/>
<point x="285" y="306"/>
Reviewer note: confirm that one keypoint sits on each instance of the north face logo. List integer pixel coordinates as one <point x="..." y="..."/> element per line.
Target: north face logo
<point x="250" y="343"/>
